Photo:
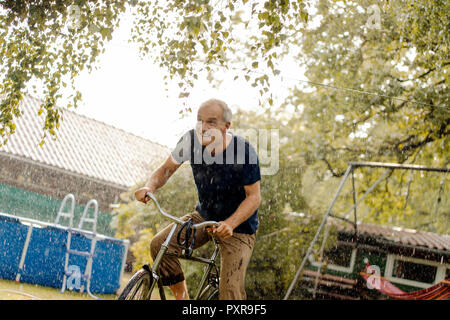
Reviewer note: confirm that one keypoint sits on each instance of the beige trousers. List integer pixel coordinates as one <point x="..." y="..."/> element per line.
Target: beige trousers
<point x="235" y="253"/>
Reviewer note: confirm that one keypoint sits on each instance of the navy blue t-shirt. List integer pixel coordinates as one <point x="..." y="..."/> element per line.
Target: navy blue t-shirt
<point x="220" y="179"/>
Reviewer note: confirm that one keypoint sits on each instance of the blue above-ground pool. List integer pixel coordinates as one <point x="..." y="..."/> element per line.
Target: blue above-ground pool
<point x="34" y="252"/>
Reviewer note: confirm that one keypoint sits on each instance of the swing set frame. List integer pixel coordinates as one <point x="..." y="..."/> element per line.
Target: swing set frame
<point x="350" y="172"/>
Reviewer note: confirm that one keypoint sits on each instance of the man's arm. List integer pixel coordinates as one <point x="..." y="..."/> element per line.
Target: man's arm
<point x="158" y="178"/>
<point x="243" y="212"/>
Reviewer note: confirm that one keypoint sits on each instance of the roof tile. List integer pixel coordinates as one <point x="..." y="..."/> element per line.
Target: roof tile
<point x="85" y="146"/>
<point x="405" y="236"/>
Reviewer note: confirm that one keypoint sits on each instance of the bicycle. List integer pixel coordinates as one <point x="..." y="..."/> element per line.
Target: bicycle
<point x="143" y="282"/>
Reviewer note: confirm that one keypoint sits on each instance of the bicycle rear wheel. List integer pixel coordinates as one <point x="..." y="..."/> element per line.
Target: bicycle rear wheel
<point x="138" y="288"/>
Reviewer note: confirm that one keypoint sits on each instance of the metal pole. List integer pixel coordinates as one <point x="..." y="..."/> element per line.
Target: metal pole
<point x="367" y="192"/>
<point x="407" y="192"/>
<point x="316" y="283"/>
<point x="354" y="198"/>
<point x="24" y="252"/>
<point x="397" y="166"/>
<point x="441" y="188"/>
<point x="308" y="252"/>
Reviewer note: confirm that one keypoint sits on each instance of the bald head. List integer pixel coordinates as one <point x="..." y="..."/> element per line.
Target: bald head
<point x="225" y="110"/>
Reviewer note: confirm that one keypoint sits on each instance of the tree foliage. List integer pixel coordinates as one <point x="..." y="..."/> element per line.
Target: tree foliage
<point x="405" y="61"/>
<point x="397" y="102"/>
<point x="48" y="43"/>
<point x="190" y="37"/>
<point x="376" y="94"/>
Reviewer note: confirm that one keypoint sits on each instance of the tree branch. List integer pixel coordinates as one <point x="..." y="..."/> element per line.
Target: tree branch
<point x="335" y="174"/>
<point x="429" y="138"/>
<point x="423" y="74"/>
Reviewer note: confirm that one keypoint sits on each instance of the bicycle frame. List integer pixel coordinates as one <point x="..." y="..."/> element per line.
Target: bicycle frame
<point x="211" y="262"/>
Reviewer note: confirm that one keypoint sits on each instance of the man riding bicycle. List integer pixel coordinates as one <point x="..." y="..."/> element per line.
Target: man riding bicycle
<point x="227" y="176"/>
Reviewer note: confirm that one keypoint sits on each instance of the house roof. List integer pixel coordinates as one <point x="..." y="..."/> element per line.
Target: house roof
<point x="403" y="236"/>
<point x="84" y="146"/>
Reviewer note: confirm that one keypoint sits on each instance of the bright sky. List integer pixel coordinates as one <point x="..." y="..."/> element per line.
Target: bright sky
<point x="129" y="93"/>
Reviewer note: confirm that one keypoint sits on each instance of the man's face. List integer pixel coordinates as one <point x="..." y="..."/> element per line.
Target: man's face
<point x="210" y="125"/>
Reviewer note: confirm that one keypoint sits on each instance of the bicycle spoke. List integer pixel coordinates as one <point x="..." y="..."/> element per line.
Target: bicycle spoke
<point x="137" y="289"/>
<point x="131" y="295"/>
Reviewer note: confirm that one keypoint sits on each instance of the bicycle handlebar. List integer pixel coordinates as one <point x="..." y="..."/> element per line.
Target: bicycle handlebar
<point x="178" y="220"/>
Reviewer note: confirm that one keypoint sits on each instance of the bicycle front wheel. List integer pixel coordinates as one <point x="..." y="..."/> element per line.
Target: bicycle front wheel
<point x="209" y="293"/>
<point x="138" y="288"/>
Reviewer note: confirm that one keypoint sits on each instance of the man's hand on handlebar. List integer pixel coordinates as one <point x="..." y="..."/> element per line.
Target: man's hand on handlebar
<point x="141" y="194"/>
<point x="224" y="230"/>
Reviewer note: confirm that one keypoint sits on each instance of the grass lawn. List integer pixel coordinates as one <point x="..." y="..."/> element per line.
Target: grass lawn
<point x="10" y="290"/>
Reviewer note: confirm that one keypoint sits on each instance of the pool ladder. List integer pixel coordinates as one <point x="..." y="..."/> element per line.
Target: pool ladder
<point x="70" y="272"/>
